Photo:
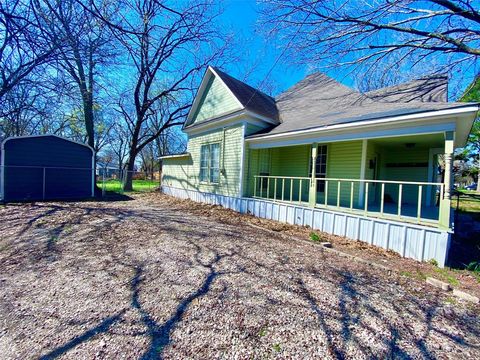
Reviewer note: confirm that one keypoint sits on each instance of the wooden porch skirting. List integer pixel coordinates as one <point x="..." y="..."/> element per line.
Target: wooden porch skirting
<point x="418" y="242"/>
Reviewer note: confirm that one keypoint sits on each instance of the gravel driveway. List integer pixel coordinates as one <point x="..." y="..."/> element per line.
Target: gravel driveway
<point x="152" y="278"/>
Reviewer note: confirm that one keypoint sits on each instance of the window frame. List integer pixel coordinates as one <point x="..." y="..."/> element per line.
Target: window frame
<point x="210" y="160"/>
<point x="321" y="150"/>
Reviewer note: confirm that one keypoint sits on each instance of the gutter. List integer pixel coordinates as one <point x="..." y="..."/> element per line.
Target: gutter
<point x="374" y="121"/>
<point x="175" y="156"/>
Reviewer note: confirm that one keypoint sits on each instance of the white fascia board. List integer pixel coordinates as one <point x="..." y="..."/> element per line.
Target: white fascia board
<point x="199" y="93"/>
<point x="230" y="119"/>
<point x="438" y="114"/>
<point x="463" y="128"/>
<point x="355" y="134"/>
<point x="186" y="155"/>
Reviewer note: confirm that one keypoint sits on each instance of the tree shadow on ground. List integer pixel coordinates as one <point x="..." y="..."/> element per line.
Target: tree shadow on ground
<point x="102" y="327"/>
<point x="351" y="297"/>
<point x="159" y="334"/>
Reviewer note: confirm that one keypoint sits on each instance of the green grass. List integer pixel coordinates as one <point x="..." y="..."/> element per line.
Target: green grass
<point x="447" y="275"/>
<point x="138" y="185"/>
<point x="469" y="202"/>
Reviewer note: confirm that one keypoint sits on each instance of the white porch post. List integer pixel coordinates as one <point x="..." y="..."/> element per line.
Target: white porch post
<point x="312" y="195"/>
<point x="449" y="139"/>
<point x="363" y="167"/>
<point x="445" y="198"/>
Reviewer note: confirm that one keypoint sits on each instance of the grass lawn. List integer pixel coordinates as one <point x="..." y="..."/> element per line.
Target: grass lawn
<point x="469" y="202"/>
<point x="138" y="185"/>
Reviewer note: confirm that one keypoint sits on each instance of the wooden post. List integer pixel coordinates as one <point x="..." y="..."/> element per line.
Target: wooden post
<point x="312" y="195"/>
<point x="445" y="198"/>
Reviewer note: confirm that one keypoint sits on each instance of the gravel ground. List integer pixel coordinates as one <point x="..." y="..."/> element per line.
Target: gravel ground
<point x="150" y="278"/>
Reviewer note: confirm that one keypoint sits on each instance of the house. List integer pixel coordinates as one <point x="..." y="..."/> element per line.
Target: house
<point x="361" y="165"/>
<point x="46" y="167"/>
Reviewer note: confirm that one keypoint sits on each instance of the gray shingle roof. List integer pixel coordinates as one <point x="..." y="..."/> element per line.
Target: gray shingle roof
<point x="428" y="89"/>
<point x="319" y="100"/>
<point x="251" y="98"/>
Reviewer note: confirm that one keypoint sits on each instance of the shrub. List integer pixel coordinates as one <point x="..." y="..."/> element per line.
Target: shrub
<point x="314" y="236"/>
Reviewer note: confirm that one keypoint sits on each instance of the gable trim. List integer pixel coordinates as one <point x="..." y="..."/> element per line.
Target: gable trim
<point x="200" y="93"/>
<point x="230" y="119"/>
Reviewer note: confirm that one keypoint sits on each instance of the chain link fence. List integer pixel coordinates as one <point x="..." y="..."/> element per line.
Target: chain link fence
<point x="115" y="180"/>
<point x="37" y="183"/>
<point x="32" y="183"/>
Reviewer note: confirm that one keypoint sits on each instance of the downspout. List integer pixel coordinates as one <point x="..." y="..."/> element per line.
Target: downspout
<point x="223" y="151"/>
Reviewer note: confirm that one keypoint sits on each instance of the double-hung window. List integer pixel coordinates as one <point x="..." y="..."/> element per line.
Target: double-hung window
<point x="210" y="163"/>
<point x="320" y="167"/>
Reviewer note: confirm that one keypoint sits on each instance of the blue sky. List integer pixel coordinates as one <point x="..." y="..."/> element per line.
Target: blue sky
<point x="242" y="16"/>
<point x="258" y="55"/>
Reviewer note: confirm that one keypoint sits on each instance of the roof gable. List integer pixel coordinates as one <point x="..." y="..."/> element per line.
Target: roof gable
<point x="213" y="99"/>
<point x="252" y="99"/>
<point x="221" y="94"/>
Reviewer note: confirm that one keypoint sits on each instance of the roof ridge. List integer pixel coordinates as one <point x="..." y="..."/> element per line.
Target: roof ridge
<point x="221" y="72"/>
<point x="315" y="75"/>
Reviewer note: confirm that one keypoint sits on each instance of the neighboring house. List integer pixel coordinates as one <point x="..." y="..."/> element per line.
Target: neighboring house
<point x="375" y="155"/>
<point x="109" y="170"/>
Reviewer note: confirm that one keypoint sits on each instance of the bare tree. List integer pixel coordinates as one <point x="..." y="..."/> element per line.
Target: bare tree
<point x="23" y="48"/>
<point x="168" y="47"/>
<point x="85" y="50"/>
<point x="118" y="140"/>
<point x="369" y="34"/>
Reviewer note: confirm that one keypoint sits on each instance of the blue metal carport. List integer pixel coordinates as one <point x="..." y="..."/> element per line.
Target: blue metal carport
<point x="46" y="167"/>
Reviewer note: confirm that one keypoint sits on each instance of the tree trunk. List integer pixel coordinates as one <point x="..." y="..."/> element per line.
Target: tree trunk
<point x="128" y="185"/>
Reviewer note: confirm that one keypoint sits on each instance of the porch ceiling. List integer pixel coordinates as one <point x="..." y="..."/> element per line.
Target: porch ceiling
<point x="421" y="141"/>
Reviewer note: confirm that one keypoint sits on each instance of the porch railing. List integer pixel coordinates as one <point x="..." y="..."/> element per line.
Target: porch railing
<point x="368" y="197"/>
<point x="281" y="188"/>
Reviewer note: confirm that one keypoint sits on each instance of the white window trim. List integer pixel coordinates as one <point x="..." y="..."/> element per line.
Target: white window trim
<point x="209" y="144"/>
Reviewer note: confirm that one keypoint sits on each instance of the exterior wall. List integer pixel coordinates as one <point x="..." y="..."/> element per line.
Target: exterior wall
<point x="343" y="161"/>
<point x="216" y="101"/>
<point x="413" y="241"/>
<point x="250" y="160"/>
<point x="420" y="174"/>
<point x="185" y="173"/>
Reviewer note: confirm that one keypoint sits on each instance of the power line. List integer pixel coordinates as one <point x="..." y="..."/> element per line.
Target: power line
<point x="278" y="59"/>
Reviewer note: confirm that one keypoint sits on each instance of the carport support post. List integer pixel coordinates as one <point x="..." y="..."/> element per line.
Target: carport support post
<point x="445" y="198"/>
<point x="312" y="195"/>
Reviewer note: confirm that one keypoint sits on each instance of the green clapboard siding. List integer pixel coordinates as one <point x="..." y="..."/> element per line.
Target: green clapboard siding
<point x="217" y="100"/>
<point x="343" y="161"/>
<point x="420" y="174"/>
<point x="185" y="174"/>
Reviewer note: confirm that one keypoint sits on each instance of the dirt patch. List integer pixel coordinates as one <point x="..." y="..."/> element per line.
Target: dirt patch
<point x="157" y="277"/>
<point x="461" y="279"/>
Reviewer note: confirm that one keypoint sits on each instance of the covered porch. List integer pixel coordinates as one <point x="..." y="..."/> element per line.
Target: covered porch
<point x="402" y="178"/>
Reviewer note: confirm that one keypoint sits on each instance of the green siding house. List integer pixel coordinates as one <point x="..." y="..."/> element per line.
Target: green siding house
<point x="375" y="167"/>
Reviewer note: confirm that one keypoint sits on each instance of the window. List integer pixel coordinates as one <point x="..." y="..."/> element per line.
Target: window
<point x="320" y="167"/>
<point x="210" y="163"/>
